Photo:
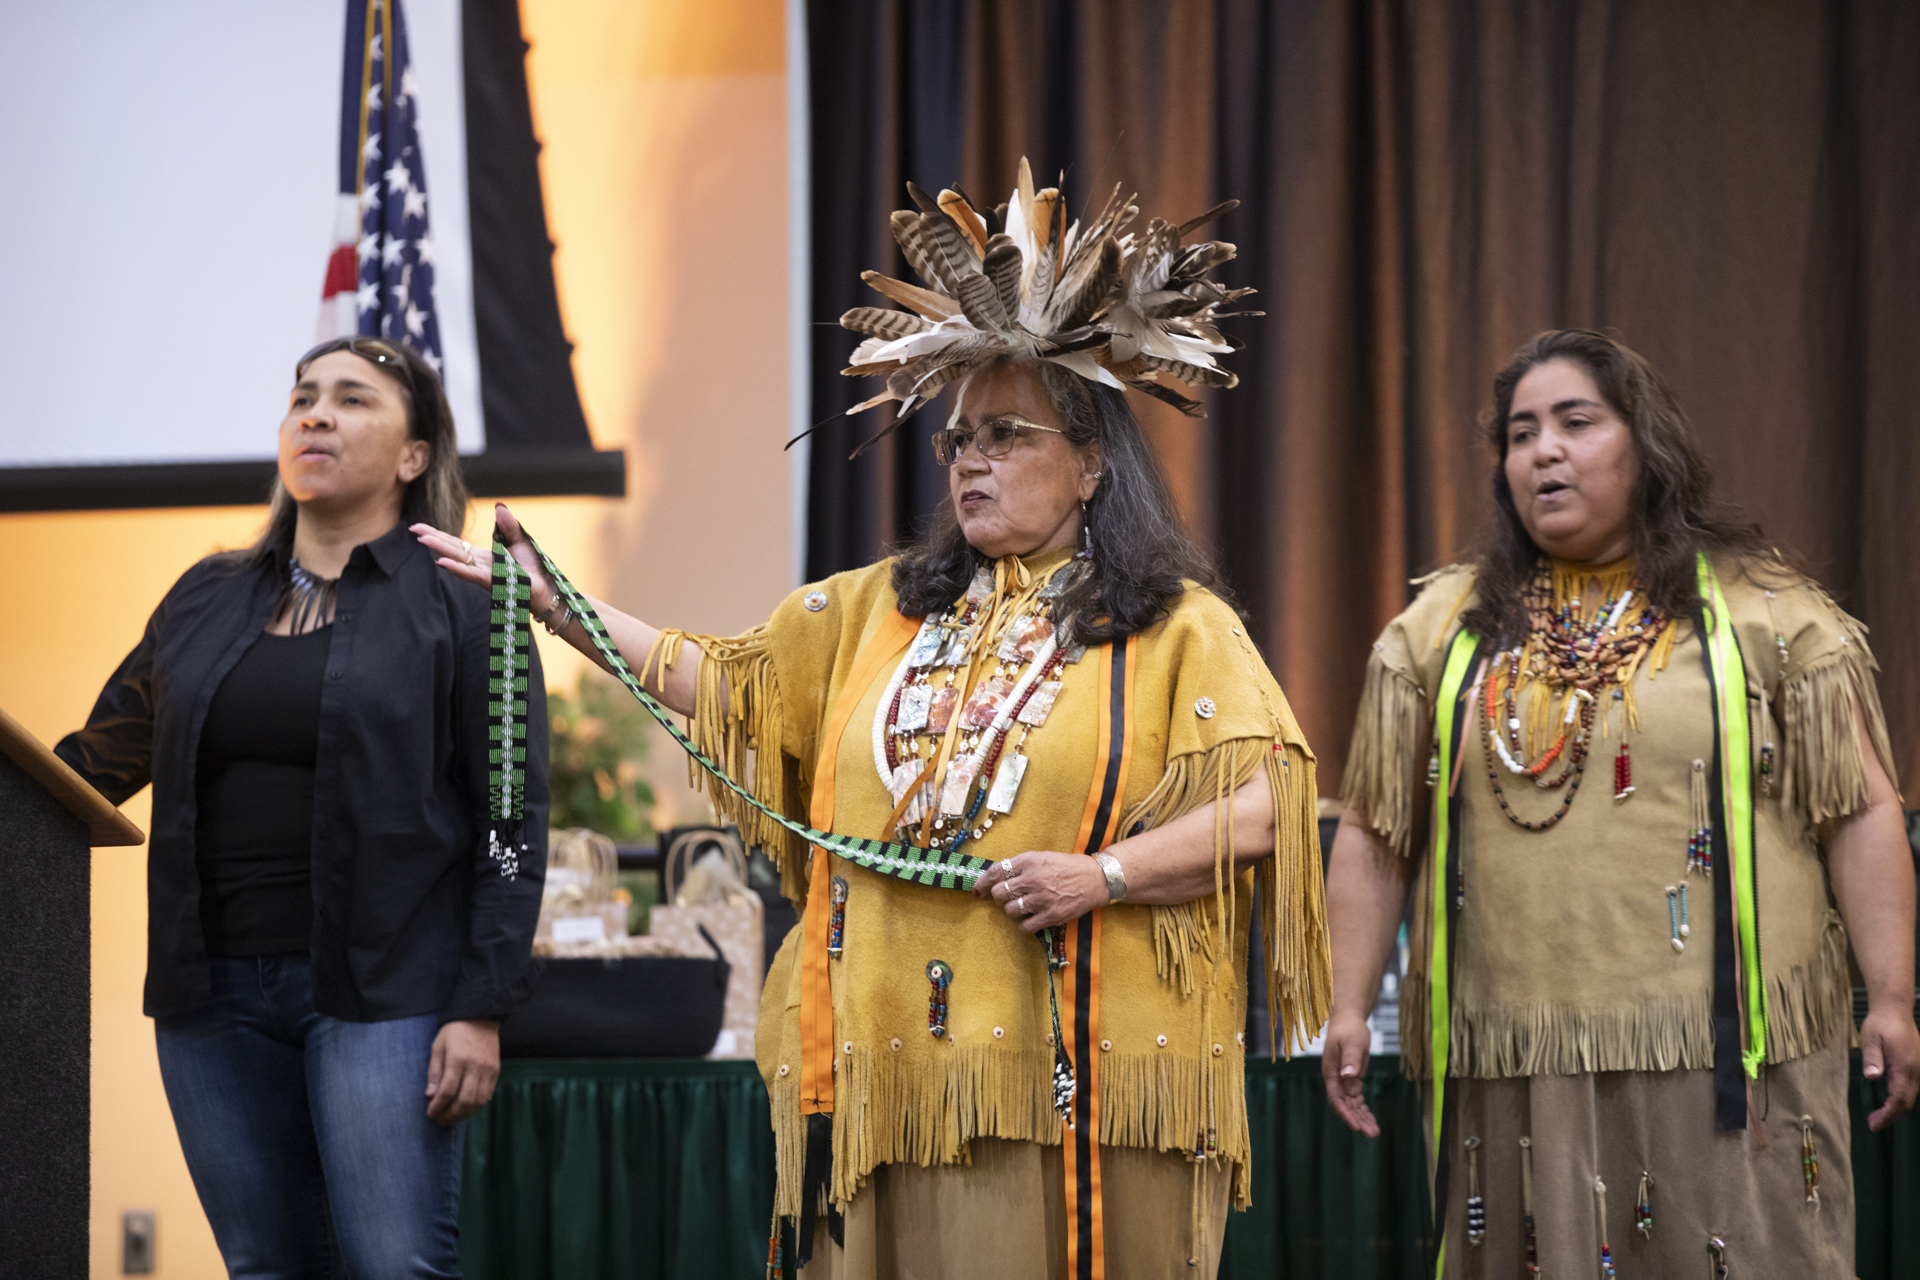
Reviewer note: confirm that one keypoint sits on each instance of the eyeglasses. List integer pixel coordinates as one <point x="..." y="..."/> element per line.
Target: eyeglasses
<point x="995" y="437"/>
<point x="378" y="350"/>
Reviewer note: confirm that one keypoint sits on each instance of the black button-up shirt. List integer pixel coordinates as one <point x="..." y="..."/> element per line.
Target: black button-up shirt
<point x="410" y="914"/>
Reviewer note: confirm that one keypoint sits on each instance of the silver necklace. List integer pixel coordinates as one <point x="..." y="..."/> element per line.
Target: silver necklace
<point x="310" y="598"/>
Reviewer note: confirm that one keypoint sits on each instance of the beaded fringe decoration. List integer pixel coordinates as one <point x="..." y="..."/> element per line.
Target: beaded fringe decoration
<point x="1700" y="834"/>
<point x="1526" y="1206"/>
<point x="776" y="1256"/>
<point x="1809" y="1162"/>
<point x="1643" y="1206"/>
<point x="1600" y="1212"/>
<point x="1476" y="1205"/>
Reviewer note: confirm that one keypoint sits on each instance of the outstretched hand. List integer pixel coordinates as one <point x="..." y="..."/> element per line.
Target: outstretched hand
<point x="475" y="563"/>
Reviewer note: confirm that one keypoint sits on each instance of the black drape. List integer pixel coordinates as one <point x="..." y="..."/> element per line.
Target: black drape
<point x="1426" y="185"/>
<point x="527" y="389"/>
<point x="886" y="95"/>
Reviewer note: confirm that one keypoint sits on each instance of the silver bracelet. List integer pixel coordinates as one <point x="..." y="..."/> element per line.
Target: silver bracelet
<point x="1116" y="878"/>
<point x="557" y="625"/>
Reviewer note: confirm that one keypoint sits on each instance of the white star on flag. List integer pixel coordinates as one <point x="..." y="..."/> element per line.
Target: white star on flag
<point x="383" y="209"/>
<point x="432" y="360"/>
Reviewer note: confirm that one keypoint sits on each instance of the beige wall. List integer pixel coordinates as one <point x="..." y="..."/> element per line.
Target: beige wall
<point x="664" y="166"/>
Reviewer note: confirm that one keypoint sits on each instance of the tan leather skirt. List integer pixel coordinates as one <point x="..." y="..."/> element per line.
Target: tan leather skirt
<point x="1003" y="1216"/>
<point x="1747" y="1190"/>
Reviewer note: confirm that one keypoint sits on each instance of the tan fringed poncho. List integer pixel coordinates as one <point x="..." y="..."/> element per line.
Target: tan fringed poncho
<point x="1563" y="960"/>
<point x="1172" y="980"/>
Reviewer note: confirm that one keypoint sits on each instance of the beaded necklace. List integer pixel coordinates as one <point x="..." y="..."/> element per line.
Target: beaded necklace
<point x="1581" y="655"/>
<point x="993" y="660"/>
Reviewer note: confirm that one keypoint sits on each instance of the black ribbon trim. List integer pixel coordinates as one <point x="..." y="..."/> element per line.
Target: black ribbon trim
<point x="1729" y="1076"/>
<point x="1083" y="1136"/>
<point x="813" y="1184"/>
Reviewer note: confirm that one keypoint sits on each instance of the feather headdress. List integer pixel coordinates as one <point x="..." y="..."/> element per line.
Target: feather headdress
<point x="1112" y="307"/>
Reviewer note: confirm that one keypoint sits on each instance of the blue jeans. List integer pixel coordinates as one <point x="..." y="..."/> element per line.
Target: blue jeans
<point x="308" y="1137"/>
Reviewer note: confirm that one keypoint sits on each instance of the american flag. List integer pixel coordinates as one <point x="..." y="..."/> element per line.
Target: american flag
<point x="380" y="275"/>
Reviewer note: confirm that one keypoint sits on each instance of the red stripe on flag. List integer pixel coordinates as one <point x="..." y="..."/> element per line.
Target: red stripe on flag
<point x="343" y="272"/>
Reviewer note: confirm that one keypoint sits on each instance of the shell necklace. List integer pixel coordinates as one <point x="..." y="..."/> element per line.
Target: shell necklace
<point x="985" y="671"/>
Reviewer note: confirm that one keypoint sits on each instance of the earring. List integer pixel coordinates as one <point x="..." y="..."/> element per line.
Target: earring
<point x="1086" y="534"/>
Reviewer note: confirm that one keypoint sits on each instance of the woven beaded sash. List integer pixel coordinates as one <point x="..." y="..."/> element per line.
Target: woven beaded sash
<point x="508" y="641"/>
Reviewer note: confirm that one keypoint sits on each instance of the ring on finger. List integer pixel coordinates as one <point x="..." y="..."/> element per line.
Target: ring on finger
<point x="469" y="550"/>
<point x="1006" y="865"/>
<point x="1020" y="905"/>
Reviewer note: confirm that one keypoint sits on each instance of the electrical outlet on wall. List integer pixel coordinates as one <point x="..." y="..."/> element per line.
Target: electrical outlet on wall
<point x="136" y="1250"/>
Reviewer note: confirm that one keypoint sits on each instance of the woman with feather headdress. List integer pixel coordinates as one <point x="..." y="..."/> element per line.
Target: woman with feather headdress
<point x="1045" y="701"/>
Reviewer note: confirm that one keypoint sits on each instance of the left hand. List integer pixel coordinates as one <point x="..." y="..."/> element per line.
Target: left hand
<point x="1890" y="1050"/>
<point x="462" y="1071"/>
<point x="474" y="562"/>
<point x="1044" y="889"/>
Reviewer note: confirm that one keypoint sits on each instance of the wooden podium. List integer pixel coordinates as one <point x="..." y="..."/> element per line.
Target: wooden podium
<point x="49" y="819"/>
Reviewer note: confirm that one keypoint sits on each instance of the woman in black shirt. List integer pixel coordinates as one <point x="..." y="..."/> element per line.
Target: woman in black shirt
<point x="330" y="945"/>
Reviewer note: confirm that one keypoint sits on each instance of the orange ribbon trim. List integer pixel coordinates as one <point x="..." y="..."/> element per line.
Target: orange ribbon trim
<point x="816" y="978"/>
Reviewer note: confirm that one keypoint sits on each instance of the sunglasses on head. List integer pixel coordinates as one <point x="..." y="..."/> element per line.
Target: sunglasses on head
<point x="995" y="437"/>
<point x="378" y="350"/>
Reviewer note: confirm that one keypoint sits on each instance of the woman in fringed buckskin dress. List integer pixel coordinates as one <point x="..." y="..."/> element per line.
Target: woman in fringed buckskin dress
<point x="1044" y="681"/>
<point x="1637" y="768"/>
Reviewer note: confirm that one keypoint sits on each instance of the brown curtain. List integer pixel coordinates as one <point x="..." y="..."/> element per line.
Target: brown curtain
<point x="1731" y="188"/>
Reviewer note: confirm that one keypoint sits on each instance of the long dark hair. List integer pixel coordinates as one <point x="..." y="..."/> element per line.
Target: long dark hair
<point x="1141" y="551"/>
<point x="1676" y="514"/>
<point x="437" y="496"/>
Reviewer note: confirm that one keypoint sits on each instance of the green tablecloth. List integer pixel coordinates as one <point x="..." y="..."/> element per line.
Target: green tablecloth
<point x="585" y="1168"/>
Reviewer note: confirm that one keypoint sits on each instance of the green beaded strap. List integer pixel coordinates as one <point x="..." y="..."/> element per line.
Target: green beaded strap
<point x="935" y="867"/>
<point x="509" y="657"/>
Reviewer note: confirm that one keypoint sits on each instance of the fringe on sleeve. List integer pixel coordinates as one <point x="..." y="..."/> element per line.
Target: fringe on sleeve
<point x="1819" y="711"/>
<point x="1291" y="897"/>
<point x="737" y="712"/>
<point x="1382" y="781"/>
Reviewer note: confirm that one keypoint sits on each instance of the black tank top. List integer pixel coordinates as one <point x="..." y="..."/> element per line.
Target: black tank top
<point x="254" y="833"/>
